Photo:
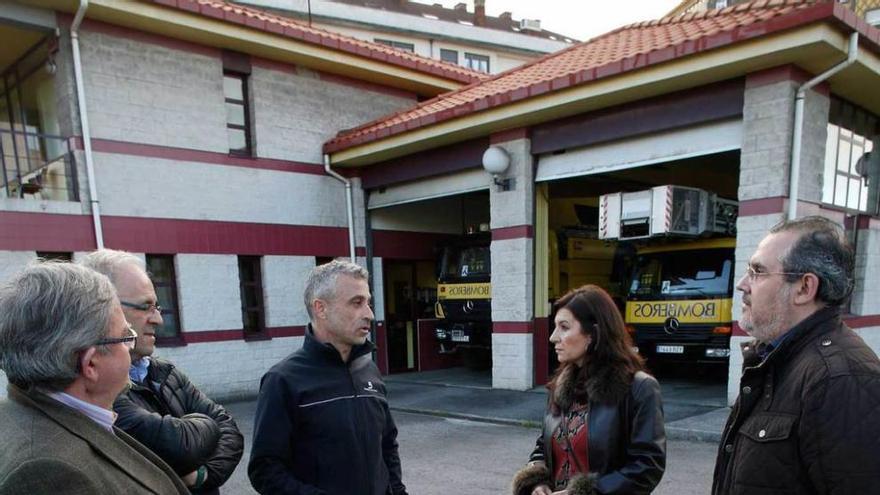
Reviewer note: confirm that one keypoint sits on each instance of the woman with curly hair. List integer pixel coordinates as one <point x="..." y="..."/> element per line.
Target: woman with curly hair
<point x="603" y="430"/>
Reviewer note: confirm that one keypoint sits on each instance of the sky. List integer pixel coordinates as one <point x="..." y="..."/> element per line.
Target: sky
<point x="580" y="19"/>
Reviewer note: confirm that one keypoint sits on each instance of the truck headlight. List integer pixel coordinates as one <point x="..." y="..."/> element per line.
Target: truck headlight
<point x="441" y="333"/>
<point x="718" y="352"/>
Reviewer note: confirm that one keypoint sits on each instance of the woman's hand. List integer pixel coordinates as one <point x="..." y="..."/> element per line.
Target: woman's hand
<point x="542" y="490"/>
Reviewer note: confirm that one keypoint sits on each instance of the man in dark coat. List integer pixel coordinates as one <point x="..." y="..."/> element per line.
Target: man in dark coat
<point x="64" y="347"/>
<point x="806" y="418"/>
<point x="323" y="425"/>
<point x="162" y="408"/>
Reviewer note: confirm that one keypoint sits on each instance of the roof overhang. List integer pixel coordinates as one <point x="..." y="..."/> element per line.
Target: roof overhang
<point x="197" y="28"/>
<point x="814" y="48"/>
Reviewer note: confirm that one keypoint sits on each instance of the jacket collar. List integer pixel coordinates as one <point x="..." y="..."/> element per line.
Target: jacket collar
<point x="116" y="449"/>
<point x="327" y="352"/>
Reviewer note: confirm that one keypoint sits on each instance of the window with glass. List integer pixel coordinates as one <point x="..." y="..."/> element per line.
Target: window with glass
<point x="479" y="63"/>
<point x="238" y="126"/>
<point x="850" y="178"/>
<point x="161" y="270"/>
<point x="681" y="273"/>
<point x="34" y="159"/>
<point x="399" y="45"/>
<point x="251" y="286"/>
<point x="450" y="56"/>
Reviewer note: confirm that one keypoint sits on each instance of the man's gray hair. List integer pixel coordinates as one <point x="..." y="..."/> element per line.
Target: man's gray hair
<point x="321" y="283"/>
<point x="48" y="313"/>
<point x="823" y="250"/>
<point x="108" y="262"/>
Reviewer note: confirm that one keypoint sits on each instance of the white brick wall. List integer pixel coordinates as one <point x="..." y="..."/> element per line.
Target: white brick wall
<point x="295" y="113"/>
<point x="208" y="289"/>
<point x="512" y="279"/>
<point x="284" y="279"/>
<point x="12" y="262"/>
<point x="871" y="336"/>
<point x="512" y="361"/>
<point x="766" y="148"/>
<point x="866" y="295"/>
<point x="201" y="191"/>
<point x="230" y="370"/>
<point x="517" y="206"/>
<point x="145" y="93"/>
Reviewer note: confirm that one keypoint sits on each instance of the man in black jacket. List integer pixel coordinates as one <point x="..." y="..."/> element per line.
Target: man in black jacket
<point x="161" y="408"/>
<point x="322" y="423"/>
<point x="806" y="418"/>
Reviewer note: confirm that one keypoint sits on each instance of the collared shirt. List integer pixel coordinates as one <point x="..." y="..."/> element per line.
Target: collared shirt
<point x="104" y="417"/>
<point x="138" y="370"/>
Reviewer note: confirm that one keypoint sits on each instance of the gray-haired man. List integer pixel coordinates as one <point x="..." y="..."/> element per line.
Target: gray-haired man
<point x="64" y="346"/>
<point x="162" y="408"/>
<point x="322" y="422"/>
<point x="806" y="418"/>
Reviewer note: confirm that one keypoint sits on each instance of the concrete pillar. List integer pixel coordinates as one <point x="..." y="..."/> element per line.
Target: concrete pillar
<point x="765" y="163"/>
<point x="512" y="224"/>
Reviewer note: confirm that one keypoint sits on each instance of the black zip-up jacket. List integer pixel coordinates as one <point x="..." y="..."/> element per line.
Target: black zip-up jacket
<point x="179" y="423"/>
<point x="323" y="426"/>
<point x="806" y="420"/>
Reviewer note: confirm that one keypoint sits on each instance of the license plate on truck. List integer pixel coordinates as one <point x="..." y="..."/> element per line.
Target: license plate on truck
<point x="670" y="349"/>
<point x="459" y="336"/>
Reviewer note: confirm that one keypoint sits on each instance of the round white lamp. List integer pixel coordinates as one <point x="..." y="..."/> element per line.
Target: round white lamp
<point x="496" y="161"/>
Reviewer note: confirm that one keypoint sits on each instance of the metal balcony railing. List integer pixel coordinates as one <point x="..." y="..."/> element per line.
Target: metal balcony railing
<point x="37" y="166"/>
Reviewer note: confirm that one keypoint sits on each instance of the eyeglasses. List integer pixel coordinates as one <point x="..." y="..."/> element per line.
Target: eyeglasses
<point x="754" y="274"/>
<point x="145" y="307"/>
<point x="128" y="341"/>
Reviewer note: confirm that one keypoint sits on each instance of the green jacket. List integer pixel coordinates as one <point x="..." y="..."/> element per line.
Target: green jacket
<point x="49" y="448"/>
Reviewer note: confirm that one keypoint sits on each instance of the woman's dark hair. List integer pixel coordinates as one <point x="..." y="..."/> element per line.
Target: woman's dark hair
<point x="611" y="349"/>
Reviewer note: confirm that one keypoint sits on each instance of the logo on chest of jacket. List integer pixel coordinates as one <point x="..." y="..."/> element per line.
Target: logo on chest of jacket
<point x="369" y="387"/>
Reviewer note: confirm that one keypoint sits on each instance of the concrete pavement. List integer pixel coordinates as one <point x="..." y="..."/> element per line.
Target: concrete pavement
<point x="695" y="407"/>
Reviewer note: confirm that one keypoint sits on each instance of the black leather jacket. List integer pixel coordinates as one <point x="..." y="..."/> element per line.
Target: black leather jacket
<point x="806" y="420"/>
<point x="171" y="417"/>
<point x="626" y="439"/>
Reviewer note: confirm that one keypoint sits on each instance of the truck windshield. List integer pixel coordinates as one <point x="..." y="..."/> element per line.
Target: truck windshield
<point x="705" y="272"/>
<point x="466" y="262"/>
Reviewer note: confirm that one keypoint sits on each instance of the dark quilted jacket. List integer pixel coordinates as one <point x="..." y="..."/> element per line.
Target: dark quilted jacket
<point x="170" y="416"/>
<point x="806" y="420"/>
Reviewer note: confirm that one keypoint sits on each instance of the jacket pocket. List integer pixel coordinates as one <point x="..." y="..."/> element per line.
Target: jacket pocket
<point x="768" y="427"/>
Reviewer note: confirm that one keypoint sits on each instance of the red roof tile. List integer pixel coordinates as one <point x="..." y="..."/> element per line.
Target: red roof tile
<point x="625" y="49"/>
<point x="291" y="28"/>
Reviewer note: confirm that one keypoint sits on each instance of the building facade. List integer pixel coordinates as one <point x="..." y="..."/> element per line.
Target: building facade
<point x="454" y="35"/>
<point x="205" y="124"/>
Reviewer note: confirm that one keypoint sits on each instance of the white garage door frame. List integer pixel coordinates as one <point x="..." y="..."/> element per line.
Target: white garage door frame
<point x="705" y="139"/>
<point x="466" y="181"/>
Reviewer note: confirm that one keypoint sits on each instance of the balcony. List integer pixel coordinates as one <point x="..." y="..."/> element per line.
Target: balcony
<point x="37" y="167"/>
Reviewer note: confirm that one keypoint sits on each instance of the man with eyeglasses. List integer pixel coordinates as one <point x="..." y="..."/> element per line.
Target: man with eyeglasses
<point x="806" y="420"/>
<point x="64" y="346"/>
<point x="162" y="408"/>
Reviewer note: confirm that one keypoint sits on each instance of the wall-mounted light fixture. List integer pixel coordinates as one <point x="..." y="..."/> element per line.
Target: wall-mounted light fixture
<point x="496" y="161"/>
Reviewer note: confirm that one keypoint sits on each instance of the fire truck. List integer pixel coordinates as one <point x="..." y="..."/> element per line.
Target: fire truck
<point x="679" y="299"/>
<point x="464" y="297"/>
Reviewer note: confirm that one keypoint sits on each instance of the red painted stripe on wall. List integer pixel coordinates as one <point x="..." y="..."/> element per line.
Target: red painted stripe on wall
<point x="45" y="232"/>
<point x="238" y="334"/>
<point x="763" y="206"/>
<point x="159" y="235"/>
<point x="189" y="155"/>
<point x="516" y="232"/>
<point x="512" y="327"/>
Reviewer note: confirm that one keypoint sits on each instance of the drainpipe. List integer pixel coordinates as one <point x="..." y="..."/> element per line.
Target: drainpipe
<point x="84" y="122"/>
<point x="348" y="203"/>
<point x="799" y="122"/>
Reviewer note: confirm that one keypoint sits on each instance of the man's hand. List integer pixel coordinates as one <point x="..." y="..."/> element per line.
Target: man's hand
<point x="190" y="479"/>
<point x="542" y="490"/>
